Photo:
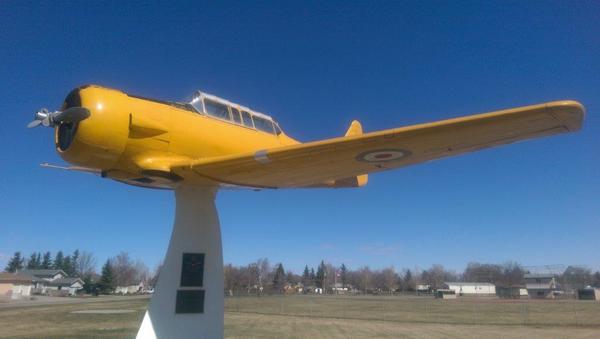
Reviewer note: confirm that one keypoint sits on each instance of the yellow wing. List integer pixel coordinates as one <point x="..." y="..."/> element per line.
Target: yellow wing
<point x="337" y="162"/>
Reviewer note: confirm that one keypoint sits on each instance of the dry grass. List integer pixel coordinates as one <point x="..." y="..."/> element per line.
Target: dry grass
<point x="327" y="317"/>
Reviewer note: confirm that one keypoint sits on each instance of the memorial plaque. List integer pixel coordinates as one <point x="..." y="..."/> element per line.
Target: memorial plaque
<point x="189" y="301"/>
<point x="192" y="270"/>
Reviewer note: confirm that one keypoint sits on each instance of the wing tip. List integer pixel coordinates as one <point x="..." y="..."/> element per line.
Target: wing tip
<point x="570" y="112"/>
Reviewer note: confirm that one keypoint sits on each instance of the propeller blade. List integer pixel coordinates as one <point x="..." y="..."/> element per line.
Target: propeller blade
<point x="34" y="123"/>
<point x="73" y="114"/>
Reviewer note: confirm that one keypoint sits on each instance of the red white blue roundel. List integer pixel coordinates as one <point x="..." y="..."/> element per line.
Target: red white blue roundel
<point x="382" y="155"/>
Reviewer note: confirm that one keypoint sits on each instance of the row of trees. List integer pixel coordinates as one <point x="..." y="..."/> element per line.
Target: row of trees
<point x="77" y="264"/>
<point x="119" y="270"/>
<point x="259" y="276"/>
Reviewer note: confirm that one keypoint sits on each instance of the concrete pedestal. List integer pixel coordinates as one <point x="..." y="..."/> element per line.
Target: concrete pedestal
<point x="188" y="299"/>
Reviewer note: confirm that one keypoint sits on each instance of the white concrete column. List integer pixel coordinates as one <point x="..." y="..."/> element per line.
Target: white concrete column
<point x="196" y="231"/>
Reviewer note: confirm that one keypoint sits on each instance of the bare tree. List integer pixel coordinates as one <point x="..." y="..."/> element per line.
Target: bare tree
<point x="436" y="275"/>
<point x="389" y="279"/>
<point x="124" y="270"/>
<point x="263" y="270"/>
<point x="85" y="265"/>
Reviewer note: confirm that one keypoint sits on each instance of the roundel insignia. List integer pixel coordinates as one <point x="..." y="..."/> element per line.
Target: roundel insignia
<point x="382" y="155"/>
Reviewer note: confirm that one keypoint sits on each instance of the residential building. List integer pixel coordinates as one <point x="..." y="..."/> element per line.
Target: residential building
<point x="53" y="282"/>
<point x="15" y="285"/>
<point x="540" y="285"/>
<point x="471" y="288"/>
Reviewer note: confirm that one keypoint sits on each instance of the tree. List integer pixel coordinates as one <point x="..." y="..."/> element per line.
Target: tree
<point x="575" y="277"/>
<point x="436" y="275"/>
<point x="409" y="282"/>
<point x="59" y="261"/>
<point x="106" y="284"/>
<point x="15" y="263"/>
<point x="263" y="269"/>
<point x="89" y="286"/>
<point x="389" y="279"/>
<point x="124" y="270"/>
<point x="279" y="278"/>
<point x="512" y="274"/>
<point x="33" y="262"/>
<point x="312" y="276"/>
<point x="84" y="264"/>
<point x="365" y="279"/>
<point x="67" y="265"/>
<point x="596" y="279"/>
<point x="320" y="278"/>
<point x="489" y="273"/>
<point x="306" y="276"/>
<point x="292" y="278"/>
<point x="74" y="260"/>
<point x="47" y="261"/>
<point x="344" y="275"/>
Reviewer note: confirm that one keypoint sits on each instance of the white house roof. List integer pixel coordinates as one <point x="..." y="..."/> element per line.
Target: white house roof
<point x="65" y="282"/>
<point x="44" y="273"/>
<point x="469" y="284"/>
<point x="538" y="276"/>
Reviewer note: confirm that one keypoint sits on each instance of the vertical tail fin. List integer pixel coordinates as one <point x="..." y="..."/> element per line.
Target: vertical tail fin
<point x="354" y="129"/>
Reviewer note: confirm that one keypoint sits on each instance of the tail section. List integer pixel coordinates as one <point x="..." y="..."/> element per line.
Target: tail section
<point x="354" y="129"/>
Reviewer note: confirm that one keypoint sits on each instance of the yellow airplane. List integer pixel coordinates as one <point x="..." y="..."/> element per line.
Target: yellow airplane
<point x="214" y="142"/>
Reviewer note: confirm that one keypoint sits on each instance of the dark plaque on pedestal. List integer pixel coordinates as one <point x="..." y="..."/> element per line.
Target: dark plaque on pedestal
<point x="192" y="270"/>
<point x="189" y="301"/>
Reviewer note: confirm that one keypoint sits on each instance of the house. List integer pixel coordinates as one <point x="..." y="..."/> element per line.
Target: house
<point x="41" y="278"/>
<point x="339" y="288"/>
<point x="46" y="274"/>
<point x="588" y="293"/>
<point x="471" y="288"/>
<point x="53" y="282"/>
<point x="423" y="289"/>
<point x="64" y="286"/>
<point x="540" y="285"/>
<point x="15" y="285"/>
<point x="130" y="289"/>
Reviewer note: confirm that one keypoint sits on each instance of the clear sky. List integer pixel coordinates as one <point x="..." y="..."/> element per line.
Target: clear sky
<point x="315" y="66"/>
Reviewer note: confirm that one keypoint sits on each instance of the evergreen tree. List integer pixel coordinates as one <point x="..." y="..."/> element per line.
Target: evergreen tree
<point x="74" y="263"/>
<point x="320" y="282"/>
<point x="67" y="266"/>
<point x="47" y="261"/>
<point x="409" y="284"/>
<point x="106" y="284"/>
<point x="89" y="286"/>
<point x="596" y="279"/>
<point x="344" y="275"/>
<point x="15" y="263"/>
<point x="312" y="276"/>
<point x="306" y="276"/>
<point x="279" y="278"/>
<point x="38" y="260"/>
<point x="33" y="263"/>
<point x="59" y="261"/>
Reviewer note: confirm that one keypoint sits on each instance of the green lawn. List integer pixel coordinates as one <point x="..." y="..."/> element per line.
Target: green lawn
<point x="327" y="317"/>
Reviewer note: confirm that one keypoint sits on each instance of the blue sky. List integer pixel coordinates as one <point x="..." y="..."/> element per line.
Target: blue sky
<point x="316" y="66"/>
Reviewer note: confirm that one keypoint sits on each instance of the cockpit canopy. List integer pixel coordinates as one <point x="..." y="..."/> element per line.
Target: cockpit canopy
<point x="222" y="109"/>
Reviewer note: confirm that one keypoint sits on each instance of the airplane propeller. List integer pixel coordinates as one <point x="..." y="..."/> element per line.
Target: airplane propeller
<point x="52" y="119"/>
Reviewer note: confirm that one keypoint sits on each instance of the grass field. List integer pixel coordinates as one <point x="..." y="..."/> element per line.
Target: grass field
<point x="326" y="317"/>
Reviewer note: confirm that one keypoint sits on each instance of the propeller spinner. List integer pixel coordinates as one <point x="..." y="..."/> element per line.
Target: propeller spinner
<point x="52" y="119"/>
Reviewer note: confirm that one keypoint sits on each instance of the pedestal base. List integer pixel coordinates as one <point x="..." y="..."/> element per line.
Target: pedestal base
<point x="188" y="299"/>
